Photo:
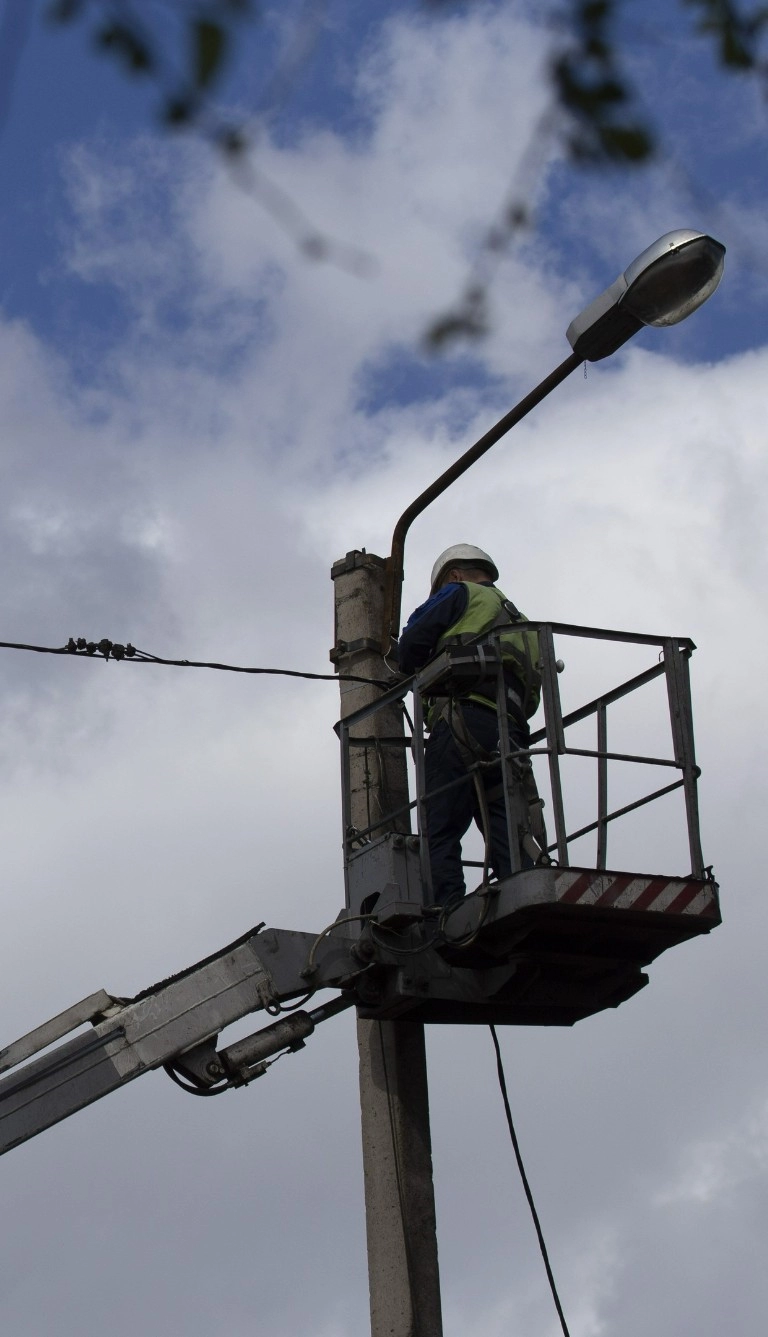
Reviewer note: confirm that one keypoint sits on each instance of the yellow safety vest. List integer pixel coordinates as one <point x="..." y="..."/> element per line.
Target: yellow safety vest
<point x="487" y="608"/>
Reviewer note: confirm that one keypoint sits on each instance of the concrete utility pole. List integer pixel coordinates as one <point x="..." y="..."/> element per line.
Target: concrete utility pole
<point x="397" y="1154"/>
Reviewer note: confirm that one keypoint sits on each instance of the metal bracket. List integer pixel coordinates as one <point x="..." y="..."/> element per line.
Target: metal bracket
<point x="356" y="558"/>
<point x="352" y="648"/>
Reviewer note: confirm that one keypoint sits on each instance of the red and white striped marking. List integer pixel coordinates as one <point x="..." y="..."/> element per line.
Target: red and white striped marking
<point x="625" y="891"/>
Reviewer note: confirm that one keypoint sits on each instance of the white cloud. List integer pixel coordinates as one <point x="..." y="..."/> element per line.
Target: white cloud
<point x="586" y="1273"/>
<point x="712" y="1168"/>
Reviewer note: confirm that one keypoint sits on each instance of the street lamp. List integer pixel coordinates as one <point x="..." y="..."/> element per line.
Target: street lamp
<point x="661" y="287"/>
<point x="666" y="282"/>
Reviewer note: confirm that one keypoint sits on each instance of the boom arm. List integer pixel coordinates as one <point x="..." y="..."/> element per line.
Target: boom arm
<point x="175" y="1024"/>
<point x="547" y="946"/>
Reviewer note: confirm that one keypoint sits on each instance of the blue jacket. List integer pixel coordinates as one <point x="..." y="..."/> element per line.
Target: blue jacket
<point x="426" y="625"/>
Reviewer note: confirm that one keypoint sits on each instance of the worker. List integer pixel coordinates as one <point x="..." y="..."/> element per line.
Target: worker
<point x="464" y="604"/>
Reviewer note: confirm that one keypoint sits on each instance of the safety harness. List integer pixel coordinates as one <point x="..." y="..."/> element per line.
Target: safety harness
<point x="520" y="654"/>
<point x="487" y="610"/>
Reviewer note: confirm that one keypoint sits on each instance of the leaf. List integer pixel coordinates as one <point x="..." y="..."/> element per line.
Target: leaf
<point x="626" y="143"/>
<point x="178" y="111"/>
<point x="127" y="45"/>
<point x="232" y="140"/>
<point x="735" y="32"/>
<point x="209" y="50"/>
<point x="61" y="11"/>
<point x="468" y="321"/>
<point x="595" y="12"/>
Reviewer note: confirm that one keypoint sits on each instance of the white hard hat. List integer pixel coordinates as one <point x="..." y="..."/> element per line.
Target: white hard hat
<point x="461" y="553"/>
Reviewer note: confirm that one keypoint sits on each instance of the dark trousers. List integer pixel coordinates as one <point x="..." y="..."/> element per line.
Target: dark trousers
<point x="449" y="814"/>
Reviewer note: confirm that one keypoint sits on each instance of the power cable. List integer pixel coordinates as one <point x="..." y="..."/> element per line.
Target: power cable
<point x="526" y="1185"/>
<point x="144" y="657"/>
<point x="310" y="967"/>
<point x="105" y="649"/>
<point x="377" y="930"/>
<point x="193" y="1090"/>
<point x="278" y="1008"/>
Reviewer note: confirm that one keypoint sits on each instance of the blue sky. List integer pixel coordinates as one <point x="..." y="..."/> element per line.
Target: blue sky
<point x="65" y="92"/>
<point x="196" y="422"/>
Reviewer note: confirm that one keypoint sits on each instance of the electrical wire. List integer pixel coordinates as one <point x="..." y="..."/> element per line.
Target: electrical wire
<point x="526" y="1185"/>
<point x="277" y="1009"/>
<point x="310" y="967"/>
<point x="485" y="890"/>
<point x="218" y="1090"/>
<point x="439" y="938"/>
<point x="119" y="652"/>
<point x="378" y="929"/>
<point x="144" y="657"/>
<point x="192" y="1090"/>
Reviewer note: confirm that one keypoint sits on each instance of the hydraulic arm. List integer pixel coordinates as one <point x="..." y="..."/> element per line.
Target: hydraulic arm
<point x="174" y="1024"/>
<point x="547" y="946"/>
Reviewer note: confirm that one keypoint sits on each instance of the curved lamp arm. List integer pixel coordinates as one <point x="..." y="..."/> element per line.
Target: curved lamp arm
<point x="393" y="576"/>
<point x="663" y="285"/>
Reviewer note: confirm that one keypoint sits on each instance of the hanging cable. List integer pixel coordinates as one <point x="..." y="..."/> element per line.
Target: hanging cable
<point x="379" y="930"/>
<point x="190" y="1088"/>
<point x="277" y="1009"/>
<point x="526" y="1185"/>
<point x="484" y="892"/>
<point x="310" y="967"/>
<point x="143" y="656"/>
<point x="106" y="649"/>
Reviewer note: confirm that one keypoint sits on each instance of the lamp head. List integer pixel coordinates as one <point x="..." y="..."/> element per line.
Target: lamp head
<point x="666" y="282"/>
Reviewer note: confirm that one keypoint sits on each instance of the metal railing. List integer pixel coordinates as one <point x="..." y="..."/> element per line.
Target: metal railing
<point x="455" y="672"/>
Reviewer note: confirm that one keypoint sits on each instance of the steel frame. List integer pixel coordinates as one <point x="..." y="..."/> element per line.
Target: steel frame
<point x="440" y="677"/>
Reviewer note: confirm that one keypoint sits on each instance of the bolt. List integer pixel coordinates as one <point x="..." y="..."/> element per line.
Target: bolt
<point x="214" y="1069"/>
